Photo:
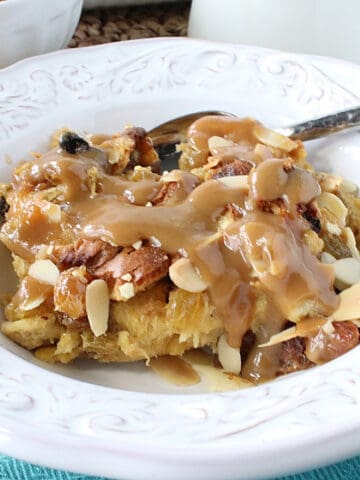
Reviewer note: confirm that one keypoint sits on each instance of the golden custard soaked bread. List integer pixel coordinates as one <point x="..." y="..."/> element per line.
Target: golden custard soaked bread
<point x="244" y="250"/>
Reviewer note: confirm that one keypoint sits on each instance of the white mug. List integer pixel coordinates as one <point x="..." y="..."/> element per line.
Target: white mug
<point x="322" y="27"/>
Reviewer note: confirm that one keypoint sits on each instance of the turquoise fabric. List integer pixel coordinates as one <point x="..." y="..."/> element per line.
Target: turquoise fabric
<point x="11" y="469"/>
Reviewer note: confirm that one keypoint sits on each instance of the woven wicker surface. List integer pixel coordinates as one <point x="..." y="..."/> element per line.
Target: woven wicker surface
<point x="126" y="23"/>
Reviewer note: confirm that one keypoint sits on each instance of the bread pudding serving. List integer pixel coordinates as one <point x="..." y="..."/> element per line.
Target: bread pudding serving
<point x="244" y="250"/>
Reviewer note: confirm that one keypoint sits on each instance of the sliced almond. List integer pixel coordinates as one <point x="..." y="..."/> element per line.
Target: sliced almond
<point x="349" y="306"/>
<point x="347" y="270"/>
<point x="274" y="139"/>
<point x="310" y="326"/>
<point x="32" y="303"/>
<point x="304" y="328"/>
<point x="235" y="181"/>
<point x="262" y="152"/>
<point x="280" y="337"/>
<point x="45" y="271"/>
<point x="326" y="257"/>
<point x="217" y="380"/>
<point x="175" y="370"/>
<point x="349" y="237"/>
<point x="229" y="357"/>
<point x="184" y="275"/>
<point x="97" y="302"/>
<point x="346" y="186"/>
<point x="333" y="203"/>
<point x="216" y="142"/>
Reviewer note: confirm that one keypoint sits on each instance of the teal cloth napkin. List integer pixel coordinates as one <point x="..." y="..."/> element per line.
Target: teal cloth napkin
<point x="11" y="469"/>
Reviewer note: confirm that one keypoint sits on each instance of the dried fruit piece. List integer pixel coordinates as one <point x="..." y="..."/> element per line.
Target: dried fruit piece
<point x="4" y="208"/>
<point x="45" y="271"/>
<point x="184" y="275"/>
<point x="293" y="357"/>
<point x="72" y="143"/>
<point x="97" y="306"/>
<point x="69" y="293"/>
<point x="310" y="216"/>
<point x="324" y="347"/>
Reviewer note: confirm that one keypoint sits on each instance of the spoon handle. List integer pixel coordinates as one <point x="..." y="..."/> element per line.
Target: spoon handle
<point x="323" y="126"/>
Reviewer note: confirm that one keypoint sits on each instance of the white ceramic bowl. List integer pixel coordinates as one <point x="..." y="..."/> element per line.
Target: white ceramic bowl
<point x="122" y="421"/>
<point x="31" y="27"/>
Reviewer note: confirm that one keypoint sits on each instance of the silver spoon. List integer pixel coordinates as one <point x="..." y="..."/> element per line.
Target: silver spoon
<point x="168" y="134"/>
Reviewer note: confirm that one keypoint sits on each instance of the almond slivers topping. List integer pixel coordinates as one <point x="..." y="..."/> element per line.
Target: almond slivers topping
<point x="349" y="306"/>
<point x="45" y="271"/>
<point x="235" y="181"/>
<point x="229" y="357"/>
<point x="347" y="270"/>
<point x="216" y="142"/>
<point x="333" y="203"/>
<point x="97" y="302"/>
<point x="184" y="275"/>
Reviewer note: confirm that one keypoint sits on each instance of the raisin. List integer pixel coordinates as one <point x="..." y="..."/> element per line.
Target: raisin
<point x="4" y="207"/>
<point x="313" y="221"/>
<point x="293" y="357"/>
<point x="324" y="347"/>
<point x="72" y="143"/>
<point x="78" y="324"/>
<point x="247" y="344"/>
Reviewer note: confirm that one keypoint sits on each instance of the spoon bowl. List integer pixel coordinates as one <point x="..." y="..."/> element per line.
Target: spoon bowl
<point x="168" y="135"/>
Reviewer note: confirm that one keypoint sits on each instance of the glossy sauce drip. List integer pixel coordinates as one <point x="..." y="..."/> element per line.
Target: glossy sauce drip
<point x="259" y="252"/>
<point x="237" y="130"/>
<point x="270" y="181"/>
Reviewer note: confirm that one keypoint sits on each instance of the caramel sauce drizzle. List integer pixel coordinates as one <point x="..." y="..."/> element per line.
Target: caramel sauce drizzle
<point x="259" y="251"/>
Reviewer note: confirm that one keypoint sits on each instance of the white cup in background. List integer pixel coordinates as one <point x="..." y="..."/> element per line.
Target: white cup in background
<point x="322" y="27"/>
<point x="31" y="27"/>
